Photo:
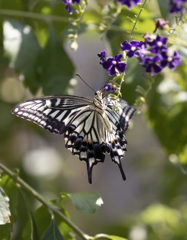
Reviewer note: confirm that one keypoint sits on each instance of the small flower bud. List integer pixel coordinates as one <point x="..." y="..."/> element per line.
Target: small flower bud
<point x="74" y="46"/>
<point x="161" y="24"/>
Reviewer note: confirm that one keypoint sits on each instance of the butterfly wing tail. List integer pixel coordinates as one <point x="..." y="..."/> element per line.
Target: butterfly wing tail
<point x="89" y="171"/>
<point x="121" y="170"/>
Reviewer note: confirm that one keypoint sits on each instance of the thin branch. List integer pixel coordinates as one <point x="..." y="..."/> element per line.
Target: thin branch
<point x="120" y="29"/>
<point x="53" y="208"/>
<point x="138" y="17"/>
<point x="38" y="16"/>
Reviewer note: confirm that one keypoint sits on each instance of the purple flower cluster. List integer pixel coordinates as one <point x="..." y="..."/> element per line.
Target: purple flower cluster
<point x="129" y="3"/>
<point x="152" y="54"/>
<point x="176" y="6"/>
<point x="68" y="4"/>
<point x="112" y="65"/>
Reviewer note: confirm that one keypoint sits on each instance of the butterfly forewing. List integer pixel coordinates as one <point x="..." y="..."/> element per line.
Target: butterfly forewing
<point x="52" y="113"/>
<point x="84" y="125"/>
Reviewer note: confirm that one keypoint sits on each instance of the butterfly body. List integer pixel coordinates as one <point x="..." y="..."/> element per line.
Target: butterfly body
<point x="90" y="128"/>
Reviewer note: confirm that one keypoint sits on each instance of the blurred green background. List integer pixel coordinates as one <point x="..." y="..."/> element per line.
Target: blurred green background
<point x="35" y="60"/>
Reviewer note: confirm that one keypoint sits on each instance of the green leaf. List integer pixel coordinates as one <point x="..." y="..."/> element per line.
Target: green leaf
<point x="52" y="232"/>
<point x="11" y="191"/>
<point x="105" y="236"/>
<point x="49" y="68"/>
<point x="55" y="67"/>
<point x="28" y="230"/>
<point x="23" y="49"/>
<point x="64" y="229"/>
<point x="42" y="219"/>
<point x="85" y="202"/>
<point x="40" y="27"/>
<point x="4" y="208"/>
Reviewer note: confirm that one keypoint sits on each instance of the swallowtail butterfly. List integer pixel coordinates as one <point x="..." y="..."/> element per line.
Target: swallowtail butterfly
<point x="91" y="128"/>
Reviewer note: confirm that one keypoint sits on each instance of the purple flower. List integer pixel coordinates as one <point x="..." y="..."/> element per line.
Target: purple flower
<point x="109" y="88"/>
<point x="68" y="4"/>
<point x="176" y="6"/>
<point x="152" y="65"/>
<point x="161" y="24"/>
<point x="158" y="45"/>
<point x="102" y="56"/>
<point x="142" y="51"/>
<point x="131" y="47"/>
<point x="171" y="61"/>
<point x="110" y="64"/>
<point x="129" y="3"/>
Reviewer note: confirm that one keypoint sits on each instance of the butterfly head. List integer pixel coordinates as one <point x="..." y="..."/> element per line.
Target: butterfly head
<point x="98" y="99"/>
<point x="100" y="94"/>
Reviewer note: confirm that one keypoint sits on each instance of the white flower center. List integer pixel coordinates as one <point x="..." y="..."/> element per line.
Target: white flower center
<point x="169" y="59"/>
<point x="133" y="48"/>
<point x="114" y="62"/>
<point x="159" y="44"/>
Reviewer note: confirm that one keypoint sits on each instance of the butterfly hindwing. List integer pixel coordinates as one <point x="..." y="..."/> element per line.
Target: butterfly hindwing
<point x="120" y="122"/>
<point x="83" y="139"/>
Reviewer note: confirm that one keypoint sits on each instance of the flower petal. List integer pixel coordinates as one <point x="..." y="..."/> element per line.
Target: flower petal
<point x="121" y="67"/>
<point x="130" y="53"/>
<point x="125" y="46"/>
<point x="118" y="57"/>
<point x="156" y="68"/>
<point x="112" y="70"/>
<point x="108" y="63"/>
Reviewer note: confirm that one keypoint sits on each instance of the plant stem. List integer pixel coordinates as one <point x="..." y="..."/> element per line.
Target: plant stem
<point x="138" y="17"/>
<point x="53" y="208"/>
<point x="38" y="16"/>
<point x="120" y="29"/>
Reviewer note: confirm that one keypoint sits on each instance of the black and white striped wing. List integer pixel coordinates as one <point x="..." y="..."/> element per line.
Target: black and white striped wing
<point x="53" y="113"/>
<point x="116" y="141"/>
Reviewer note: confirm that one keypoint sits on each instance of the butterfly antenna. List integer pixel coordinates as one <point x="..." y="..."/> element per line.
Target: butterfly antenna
<point x="85" y="82"/>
